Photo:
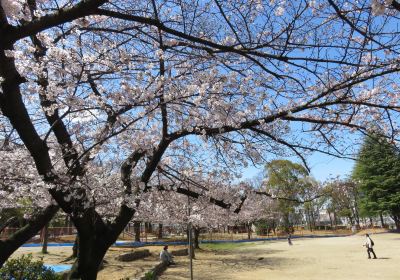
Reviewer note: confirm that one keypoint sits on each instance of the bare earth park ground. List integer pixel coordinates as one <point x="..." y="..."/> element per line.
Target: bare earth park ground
<point x="308" y="259"/>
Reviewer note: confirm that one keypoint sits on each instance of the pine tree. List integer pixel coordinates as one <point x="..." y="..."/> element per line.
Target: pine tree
<point x="378" y="170"/>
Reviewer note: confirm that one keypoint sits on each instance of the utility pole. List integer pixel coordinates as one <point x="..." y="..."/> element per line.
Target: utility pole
<point x="190" y="249"/>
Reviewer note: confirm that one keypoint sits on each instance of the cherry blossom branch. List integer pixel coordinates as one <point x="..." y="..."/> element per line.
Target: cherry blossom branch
<point x="344" y="18"/>
<point x="81" y="9"/>
<point x="287" y="198"/>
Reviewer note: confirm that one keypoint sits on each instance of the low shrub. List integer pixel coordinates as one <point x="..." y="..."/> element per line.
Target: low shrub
<point x="24" y="268"/>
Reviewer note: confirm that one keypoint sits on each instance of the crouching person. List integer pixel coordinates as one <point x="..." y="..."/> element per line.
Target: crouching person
<point x="166" y="256"/>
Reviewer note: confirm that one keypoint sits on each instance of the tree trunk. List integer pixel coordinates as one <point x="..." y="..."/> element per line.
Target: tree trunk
<point x="286" y="222"/>
<point x="371" y="222"/>
<point x="308" y="220"/>
<point x="364" y="222"/>
<point x="160" y="231"/>
<point x="330" y="219"/>
<point x="92" y="249"/>
<point x="335" y="219"/>
<point x="191" y="247"/>
<point x="11" y="244"/>
<point x="66" y="221"/>
<point x="196" y="237"/>
<point x="136" y="228"/>
<point x="248" y="225"/>
<point x="396" y="219"/>
<point x="95" y="237"/>
<point x="351" y="220"/>
<point x="382" y="221"/>
<point x="75" y="248"/>
<point x="274" y="227"/>
<point x="45" y="234"/>
<point x="356" y="215"/>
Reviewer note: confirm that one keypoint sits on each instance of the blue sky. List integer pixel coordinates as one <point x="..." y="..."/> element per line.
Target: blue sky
<point x="322" y="167"/>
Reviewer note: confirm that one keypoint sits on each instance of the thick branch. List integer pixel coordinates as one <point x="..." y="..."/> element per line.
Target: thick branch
<point x="83" y="8"/>
<point x="7" y="223"/>
<point x="11" y="244"/>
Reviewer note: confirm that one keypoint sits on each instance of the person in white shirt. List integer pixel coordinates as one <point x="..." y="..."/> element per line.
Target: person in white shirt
<point x="369" y="244"/>
<point x="166" y="256"/>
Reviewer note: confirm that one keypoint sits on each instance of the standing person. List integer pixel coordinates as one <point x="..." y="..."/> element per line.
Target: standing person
<point x="166" y="256"/>
<point x="289" y="239"/>
<point x="369" y="244"/>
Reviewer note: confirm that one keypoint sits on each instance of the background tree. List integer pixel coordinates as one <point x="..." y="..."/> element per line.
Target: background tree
<point x="378" y="171"/>
<point x="312" y="194"/>
<point x="286" y="179"/>
<point x="342" y="197"/>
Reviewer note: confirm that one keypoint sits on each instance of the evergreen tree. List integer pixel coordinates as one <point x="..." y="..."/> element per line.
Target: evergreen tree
<point x="378" y="170"/>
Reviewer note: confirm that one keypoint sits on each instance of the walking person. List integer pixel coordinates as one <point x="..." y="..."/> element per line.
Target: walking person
<point x="369" y="244"/>
<point x="289" y="239"/>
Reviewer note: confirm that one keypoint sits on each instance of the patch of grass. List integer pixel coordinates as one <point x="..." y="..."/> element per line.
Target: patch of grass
<point x="226" y="245"/>
<point x="149" y="275"/>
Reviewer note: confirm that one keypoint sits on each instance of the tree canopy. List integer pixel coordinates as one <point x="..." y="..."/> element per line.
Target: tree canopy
<point x="108" y="100"/>
<point x="378" y="171"/>
<point x="288" y="180"/>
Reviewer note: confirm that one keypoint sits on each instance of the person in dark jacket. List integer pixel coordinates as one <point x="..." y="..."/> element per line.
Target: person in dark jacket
<point x="289" y="239"/>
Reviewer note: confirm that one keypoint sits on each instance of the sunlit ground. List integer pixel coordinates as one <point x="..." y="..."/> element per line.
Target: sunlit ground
<point x="308" y="259"/>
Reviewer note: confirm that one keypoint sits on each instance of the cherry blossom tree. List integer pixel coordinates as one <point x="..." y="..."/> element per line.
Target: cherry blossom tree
<point x="162" y="90"/>
<point x="173" y="208"/>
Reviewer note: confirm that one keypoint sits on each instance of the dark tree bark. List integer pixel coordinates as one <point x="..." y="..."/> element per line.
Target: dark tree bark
<point x="286" y="222"/>
<point x="382" y="221"/>
<point x="95" y="238"/>
<point x="160" y="231"/>
<point x="196" y="231"/>
<point x="11" y="244"/>
<point x="7" y="223"/>
<point x="356" y="215"/>
<point x="351" y="220"/>
<point x="147" y="227"/>
<point x="335" y="219"/>
<point x="274" y="226"/>
<point x="191" y="244"/>
<point x="396" y="219"/>
<point x="45" y="235"/>
<point x="136" y="228"/>
<point x="75" y="248"/>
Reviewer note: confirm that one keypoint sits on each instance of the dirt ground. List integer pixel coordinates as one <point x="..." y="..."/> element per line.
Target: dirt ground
<point x="113" y="269"/>
<point x="308" y="259"/>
